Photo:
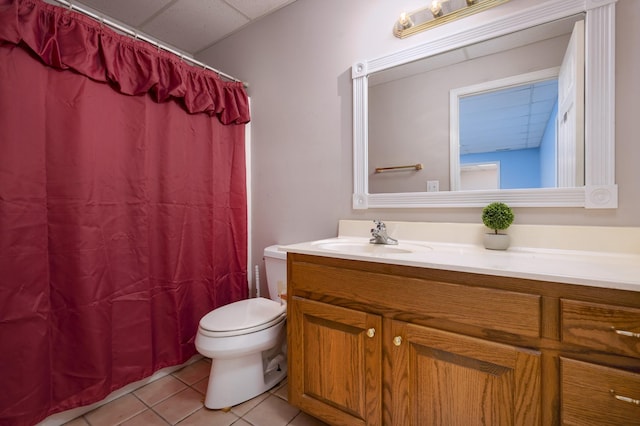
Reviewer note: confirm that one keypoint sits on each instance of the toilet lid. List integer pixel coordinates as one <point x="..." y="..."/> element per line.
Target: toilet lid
<point x="243" y="314"/>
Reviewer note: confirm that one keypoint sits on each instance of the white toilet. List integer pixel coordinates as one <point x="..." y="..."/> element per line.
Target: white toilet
<point x="247" y="341"/>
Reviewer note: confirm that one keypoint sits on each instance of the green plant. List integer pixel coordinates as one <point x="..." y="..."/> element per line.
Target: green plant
<point x="497" y="216"/>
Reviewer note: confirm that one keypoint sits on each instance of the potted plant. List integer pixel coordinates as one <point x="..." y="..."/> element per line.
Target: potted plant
<point x="497" y="216"/>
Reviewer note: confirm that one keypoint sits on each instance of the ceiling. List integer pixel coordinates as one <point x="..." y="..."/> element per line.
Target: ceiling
<point x="508" y="119"/>
<point x="191" y="26"/>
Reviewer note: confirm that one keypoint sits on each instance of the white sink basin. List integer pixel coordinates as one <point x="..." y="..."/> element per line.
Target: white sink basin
<point x="365" y="247"/>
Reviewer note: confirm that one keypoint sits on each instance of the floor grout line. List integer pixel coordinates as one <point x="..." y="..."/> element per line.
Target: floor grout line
<point x="277" y="391"/>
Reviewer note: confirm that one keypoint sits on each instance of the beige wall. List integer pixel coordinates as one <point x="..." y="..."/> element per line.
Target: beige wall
<point x="298" y="64"/>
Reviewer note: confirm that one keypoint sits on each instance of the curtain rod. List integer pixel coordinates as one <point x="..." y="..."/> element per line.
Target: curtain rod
<point x="138" y="36"/>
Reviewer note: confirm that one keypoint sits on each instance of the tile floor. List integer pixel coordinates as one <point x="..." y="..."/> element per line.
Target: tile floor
<point x="177" y="399"/>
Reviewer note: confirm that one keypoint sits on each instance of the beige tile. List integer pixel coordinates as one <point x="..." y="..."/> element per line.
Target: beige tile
<point x="195" y="372"/>
<point x="116" y="411"/>
<point x="206" y="417"/>
<point x="273" y="411"/>
<point x="78" y="421"/>
<point x="201" y="386"/>
<point x="303" y="419"/>
<point x="281" y="391"/>
<point x="179" y="406"/>
<point x="159" y="390"/>
<point x="242" y="423"/>
<point x="242" y="409"/>
<point x="146" y="418"/>
<point x="279" y="385"/>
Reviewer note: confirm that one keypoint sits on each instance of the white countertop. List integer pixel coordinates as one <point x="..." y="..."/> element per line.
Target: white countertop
<point x="606" y="269"/>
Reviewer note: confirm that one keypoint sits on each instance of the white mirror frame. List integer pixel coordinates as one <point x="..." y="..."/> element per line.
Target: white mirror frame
<point x="600" y="190"/>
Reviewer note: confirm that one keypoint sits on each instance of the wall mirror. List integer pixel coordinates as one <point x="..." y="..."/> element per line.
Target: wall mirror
<point x="407" y="111"/>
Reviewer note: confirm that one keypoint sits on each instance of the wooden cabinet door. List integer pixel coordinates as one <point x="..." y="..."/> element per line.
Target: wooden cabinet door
<point x="446" y="379"/>
<point x="335" y="363"/>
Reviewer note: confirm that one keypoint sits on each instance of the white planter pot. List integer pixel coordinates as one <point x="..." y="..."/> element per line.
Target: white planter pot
<point x="494" y="241"/>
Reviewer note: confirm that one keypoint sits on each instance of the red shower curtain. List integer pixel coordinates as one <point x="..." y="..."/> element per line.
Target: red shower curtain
<point x="122" y="208"/>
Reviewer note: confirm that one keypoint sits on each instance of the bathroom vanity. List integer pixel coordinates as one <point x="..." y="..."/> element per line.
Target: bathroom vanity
<point x="428" y="332"/>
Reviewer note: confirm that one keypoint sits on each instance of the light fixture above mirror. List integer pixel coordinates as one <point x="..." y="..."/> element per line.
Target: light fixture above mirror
<point x="438" y="12"/>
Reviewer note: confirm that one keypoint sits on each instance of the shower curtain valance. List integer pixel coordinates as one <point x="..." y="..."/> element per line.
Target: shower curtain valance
<point x="67" y="40"/>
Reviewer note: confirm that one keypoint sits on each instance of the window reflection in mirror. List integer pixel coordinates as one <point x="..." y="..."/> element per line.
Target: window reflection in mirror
<point x="410" y="119"/>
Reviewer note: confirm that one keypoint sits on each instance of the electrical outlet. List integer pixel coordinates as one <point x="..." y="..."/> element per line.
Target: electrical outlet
<point x="433" y="186"/>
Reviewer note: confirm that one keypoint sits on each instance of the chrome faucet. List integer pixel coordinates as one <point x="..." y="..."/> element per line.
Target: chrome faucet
<point x="379" y="234"/>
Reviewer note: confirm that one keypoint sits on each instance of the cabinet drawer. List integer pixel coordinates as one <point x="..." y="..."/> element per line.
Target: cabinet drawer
<point x="606" y="328"/>
<point x="487" y="308"/>
<point x="596" y="395"/>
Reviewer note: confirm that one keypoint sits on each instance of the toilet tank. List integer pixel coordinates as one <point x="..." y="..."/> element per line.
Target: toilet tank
<point x="275" y="262"/>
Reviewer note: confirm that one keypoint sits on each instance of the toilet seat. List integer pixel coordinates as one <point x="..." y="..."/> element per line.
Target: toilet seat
<point x="242" y="317"/>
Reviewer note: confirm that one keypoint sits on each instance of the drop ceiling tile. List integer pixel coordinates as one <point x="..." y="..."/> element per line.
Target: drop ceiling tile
<point x="192" y="25"/>
<point x="129" y="12"/>
<point x="543" y="107"/>
<point x="544" y="93"/>
<point x="256" y="8"/>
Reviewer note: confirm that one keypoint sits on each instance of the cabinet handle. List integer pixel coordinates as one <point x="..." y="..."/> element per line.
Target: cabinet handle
<point x="397" y="340"/>
<point x="371" y="332"/>
<point x="626" y="333"/>
<point x="624" y="398"/>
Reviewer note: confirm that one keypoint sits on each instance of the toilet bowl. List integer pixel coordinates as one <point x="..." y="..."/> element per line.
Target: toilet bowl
<point x="247" y="341"/>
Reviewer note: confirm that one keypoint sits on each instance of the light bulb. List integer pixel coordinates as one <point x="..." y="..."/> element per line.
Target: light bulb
<point x="405" y="21"/>
<point x="436" y="8"/>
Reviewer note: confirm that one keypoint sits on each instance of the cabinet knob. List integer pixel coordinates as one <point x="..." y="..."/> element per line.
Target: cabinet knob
<point x="371" y="332"/>
<point x="397" y="340"/>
